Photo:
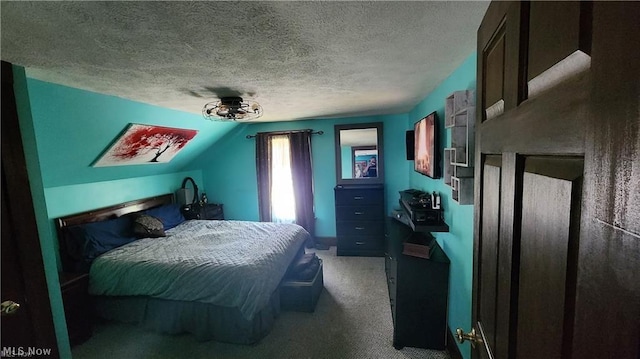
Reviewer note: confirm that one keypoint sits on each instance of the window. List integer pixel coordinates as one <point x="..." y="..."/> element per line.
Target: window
<point x="283" y="206"/>
<point x="285" y="179"/>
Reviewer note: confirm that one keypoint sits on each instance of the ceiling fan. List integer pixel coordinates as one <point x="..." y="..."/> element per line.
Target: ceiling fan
<point x="232" y="109"/>
<point x="230" y="106"/>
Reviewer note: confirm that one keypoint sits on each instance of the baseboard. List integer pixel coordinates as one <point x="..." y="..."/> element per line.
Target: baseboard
<point x="326" y="242"/>
<point x="452" y="347"/>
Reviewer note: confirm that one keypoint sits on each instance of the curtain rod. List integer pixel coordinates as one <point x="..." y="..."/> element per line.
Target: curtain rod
<point x="287" y="132"/>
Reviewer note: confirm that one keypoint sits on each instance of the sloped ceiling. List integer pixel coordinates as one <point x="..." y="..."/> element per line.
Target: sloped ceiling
<point x="299" y="60"/>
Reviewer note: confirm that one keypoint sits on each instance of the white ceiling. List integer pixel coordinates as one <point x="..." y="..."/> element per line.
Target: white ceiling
<point x="299" y="60"/>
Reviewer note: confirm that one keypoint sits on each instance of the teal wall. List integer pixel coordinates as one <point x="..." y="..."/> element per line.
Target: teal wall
<point x="458" y="242"/>
<point x="229" y="172"/>
<point x="73" y="127"/>
<point x="70" y="128"/>
<point x="65" y="200"/>
<point x="65" y="129"/>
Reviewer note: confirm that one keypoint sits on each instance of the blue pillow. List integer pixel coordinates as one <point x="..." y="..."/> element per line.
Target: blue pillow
<point x="169" y="214"/>
<point x="93" y="239"/>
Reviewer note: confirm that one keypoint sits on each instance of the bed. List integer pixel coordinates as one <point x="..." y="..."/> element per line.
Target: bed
<point x="218" y="280"/>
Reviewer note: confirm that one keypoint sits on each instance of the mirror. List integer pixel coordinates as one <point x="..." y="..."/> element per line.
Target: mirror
<point x="359" y="158"/>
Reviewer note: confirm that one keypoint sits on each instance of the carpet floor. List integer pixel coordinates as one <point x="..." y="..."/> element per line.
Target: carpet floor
<point x="352" y="320"/>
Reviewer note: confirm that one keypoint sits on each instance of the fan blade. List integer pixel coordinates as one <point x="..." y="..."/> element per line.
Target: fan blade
<point x="222" y="91"/>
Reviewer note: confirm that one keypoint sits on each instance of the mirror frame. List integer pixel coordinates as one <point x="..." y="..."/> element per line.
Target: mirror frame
<point x="380" y="160"/>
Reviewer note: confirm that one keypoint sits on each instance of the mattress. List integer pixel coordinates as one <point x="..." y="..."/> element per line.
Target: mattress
<point x="234" y="264"/>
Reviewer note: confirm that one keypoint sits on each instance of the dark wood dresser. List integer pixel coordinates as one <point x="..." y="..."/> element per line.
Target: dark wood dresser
<point x="418" y="288"/>
<point x="78" y="307"/>
<point x="360" y="218"/>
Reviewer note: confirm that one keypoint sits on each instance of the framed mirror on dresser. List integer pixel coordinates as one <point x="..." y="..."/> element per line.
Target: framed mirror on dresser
<point x="359" y="154"/>
<point x="359" y="191"/>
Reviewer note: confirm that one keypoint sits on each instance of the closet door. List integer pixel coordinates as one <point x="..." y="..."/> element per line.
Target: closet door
<point x="557" y="194"/>
<point x="529" y="179"/>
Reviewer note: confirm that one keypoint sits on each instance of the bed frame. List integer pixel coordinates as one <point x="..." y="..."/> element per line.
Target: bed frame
<point x="205" y="321"/>
<point x="101" y="214"/>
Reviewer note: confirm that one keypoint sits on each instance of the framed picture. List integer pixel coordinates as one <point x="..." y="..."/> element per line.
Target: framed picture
<point x="145" y="144"/>
<point x="365" y="159"/>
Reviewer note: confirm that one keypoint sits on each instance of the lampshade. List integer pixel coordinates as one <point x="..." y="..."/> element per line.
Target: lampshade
<point x="232" y="109"/>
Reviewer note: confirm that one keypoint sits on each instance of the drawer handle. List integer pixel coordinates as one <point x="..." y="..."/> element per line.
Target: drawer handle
<point x="359" y="228"/>
<point x="358" y="213"/>
<point x="358" y="197"/>
<point x="359" y="243"/>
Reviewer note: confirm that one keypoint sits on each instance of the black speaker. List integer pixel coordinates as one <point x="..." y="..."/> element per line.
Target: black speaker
<point x="409" y="140"/>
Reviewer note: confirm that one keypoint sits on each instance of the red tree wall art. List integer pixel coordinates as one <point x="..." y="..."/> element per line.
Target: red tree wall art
<point x="140" y="144"/>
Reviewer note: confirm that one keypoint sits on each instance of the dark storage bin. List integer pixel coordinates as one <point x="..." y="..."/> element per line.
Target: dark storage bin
<point x="301" y="296"/>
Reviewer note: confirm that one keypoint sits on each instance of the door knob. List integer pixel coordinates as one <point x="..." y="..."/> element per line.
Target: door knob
<point x="472" y="337"/>
<point x="8" y="307"/>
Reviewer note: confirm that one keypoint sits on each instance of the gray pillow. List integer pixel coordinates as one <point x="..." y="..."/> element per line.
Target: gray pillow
<point x="146" y="226"/>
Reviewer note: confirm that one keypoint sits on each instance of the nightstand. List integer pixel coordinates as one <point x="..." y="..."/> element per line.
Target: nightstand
<point x="78" y="307"/>
<point x="212" y="211"/>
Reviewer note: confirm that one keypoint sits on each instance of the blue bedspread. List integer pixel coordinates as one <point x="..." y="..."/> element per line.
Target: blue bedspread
<point x="227" y="263"/>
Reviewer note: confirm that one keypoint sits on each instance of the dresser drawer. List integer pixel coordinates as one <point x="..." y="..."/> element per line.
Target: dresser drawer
<point x="359" y="213"/>
<point x="360" y="216"/>
<point x="360" y="228"/>
<point x="359" y="196"/>
<point x="359" y="242"/>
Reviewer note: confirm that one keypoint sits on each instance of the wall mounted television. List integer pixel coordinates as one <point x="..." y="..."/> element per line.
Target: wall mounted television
<point x="425" y="148"/>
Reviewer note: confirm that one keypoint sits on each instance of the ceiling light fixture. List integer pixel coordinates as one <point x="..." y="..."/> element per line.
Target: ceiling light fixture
<point x="232" y="109"/>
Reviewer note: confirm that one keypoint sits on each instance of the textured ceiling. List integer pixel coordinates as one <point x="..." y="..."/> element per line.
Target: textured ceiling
<point x="299" y="60"/>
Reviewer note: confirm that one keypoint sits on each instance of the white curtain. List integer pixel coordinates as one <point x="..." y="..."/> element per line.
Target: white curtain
<point x="283" y="204"/>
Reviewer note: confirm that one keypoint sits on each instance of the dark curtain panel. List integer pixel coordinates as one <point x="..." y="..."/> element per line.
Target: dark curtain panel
<point x="301" y="169"/>
<point x="263" y="169"/>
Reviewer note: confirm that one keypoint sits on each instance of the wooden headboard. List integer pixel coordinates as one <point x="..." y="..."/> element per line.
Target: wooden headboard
<point x="101" y="214"/>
